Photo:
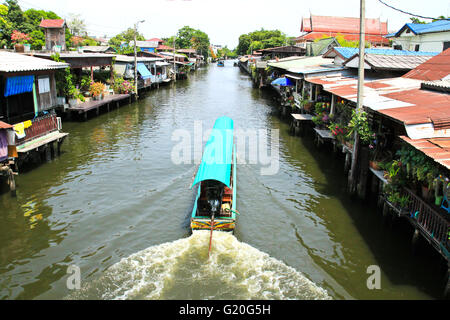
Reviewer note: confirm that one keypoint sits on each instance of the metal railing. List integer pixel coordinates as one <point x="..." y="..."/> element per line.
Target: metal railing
<point x="431" y="222"/>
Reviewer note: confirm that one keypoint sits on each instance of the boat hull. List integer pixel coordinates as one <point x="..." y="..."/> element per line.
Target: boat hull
<point x="219" y="224"/>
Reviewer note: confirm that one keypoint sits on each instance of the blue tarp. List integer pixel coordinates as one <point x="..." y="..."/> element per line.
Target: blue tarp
<point x="142" y="69"/>
<point x="18" y="85"/>
<point x="282" y="82"/>
<point x="217" y="155"/>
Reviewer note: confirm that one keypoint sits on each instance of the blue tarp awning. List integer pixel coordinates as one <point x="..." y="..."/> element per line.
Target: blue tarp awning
<point x="142" y="69"/>
<point x="18" y="85"/>
<point x="217" y="155"/>
<point x="282" y="82"/>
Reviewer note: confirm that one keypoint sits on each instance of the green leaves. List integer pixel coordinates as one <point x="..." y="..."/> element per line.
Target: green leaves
<point x="359" y="123"/>
<point x="261" y="39"/>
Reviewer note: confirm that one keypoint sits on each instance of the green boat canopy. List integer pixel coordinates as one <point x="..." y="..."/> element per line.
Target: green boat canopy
<point x="218" y="154"/>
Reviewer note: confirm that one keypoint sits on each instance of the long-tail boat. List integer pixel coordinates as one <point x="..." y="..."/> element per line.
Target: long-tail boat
<point x="221" y="63"/>
<point x="215" y="203"/>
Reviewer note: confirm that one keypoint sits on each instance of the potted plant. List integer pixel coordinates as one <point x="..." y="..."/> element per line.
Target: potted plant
<point x="96" y="89"/>
<point x="19" y="38"/>
<point x="339" y="131"/>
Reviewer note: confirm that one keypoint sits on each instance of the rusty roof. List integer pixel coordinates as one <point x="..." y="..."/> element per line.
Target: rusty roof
<point x="52" y="23"/>
<point x="424" y="113"/>
<point x="435" y="68"/>
<point x="437" y="149"/>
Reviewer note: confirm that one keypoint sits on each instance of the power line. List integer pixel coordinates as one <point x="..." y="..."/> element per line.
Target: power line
<point x="409" y="13"/>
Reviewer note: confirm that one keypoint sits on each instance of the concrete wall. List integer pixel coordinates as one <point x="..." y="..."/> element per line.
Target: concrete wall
<point x="427" y="42"/>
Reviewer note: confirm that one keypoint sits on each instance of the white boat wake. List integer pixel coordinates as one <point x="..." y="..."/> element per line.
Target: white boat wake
<point x="181" y="270"/>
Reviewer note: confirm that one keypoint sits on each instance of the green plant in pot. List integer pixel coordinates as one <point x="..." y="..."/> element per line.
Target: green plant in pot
<point x="96" y="89"/>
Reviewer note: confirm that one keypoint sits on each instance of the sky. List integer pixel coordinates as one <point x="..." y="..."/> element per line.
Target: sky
<point x="225" y="20"/>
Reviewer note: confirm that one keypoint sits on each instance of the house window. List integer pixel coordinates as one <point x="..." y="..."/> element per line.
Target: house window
<point x="446" y="45"/>
<point x="44" y="84"/>
<point x="416" y="48"/>
<point x="398" y="47"/>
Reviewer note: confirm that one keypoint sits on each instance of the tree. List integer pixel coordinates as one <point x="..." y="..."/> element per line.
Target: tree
<point x="188" y="37"/>
<point x="33" y="18"/>
<point x="120" y="42"/>
<point x="76" y="25"/>
<point x="261" y="39"/>
<point x="184" y="36"/>
<point x="417" y="21"/>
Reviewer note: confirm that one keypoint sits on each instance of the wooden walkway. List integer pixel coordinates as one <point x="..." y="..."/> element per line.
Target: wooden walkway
<point x="44" y="140"/>
<point x="83" y="108"/>
<point x="297" y="121"/>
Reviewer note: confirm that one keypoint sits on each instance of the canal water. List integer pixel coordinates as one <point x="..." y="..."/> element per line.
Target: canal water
<point x="115" y="205"/>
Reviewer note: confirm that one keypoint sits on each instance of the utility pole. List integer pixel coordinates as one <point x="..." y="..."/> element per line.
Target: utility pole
<point x="174" y="69"/>
<point x="360" y="94"/>
<point x="135" y="59"/>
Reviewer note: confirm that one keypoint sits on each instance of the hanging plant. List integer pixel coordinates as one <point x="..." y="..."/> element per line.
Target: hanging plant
<point x="359" y="123"/>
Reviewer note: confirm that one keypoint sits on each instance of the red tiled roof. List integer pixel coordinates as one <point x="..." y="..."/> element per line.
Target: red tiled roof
<point x="52" y="23"/>
<point x="435" y="68"/>
<point x="4" y="125"/>
<point x="155" y="39"/>
<point x="343" y="25"/>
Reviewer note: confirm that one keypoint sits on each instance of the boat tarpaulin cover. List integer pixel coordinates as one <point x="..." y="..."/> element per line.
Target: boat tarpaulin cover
<point x="142" y="69"/>
<point x="217" y="155"/>
<point x="18" y="85"/>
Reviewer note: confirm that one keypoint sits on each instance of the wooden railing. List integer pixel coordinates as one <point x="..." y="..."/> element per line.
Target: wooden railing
<point x="40" y="127"/>
<point x="432" y="222"/>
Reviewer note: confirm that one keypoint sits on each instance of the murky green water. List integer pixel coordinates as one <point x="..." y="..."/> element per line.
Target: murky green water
<point x="115" y="205"/>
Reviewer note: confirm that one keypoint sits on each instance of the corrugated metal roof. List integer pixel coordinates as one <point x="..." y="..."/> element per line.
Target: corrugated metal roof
<point x="437" y="149"/>
<point x="435" y="68"/>
<point x="123" y="58"/>
<point x="187" y="50"/>
<point x="97" y="48"/>
<point x="388" y="62"/>
<point x="397" y="98"/>
<point x="71" y="55"/>
<point x="302" y="64"/>
<point x="52" y="23"/>
<point x="15" y="62"/>
<point x="145" y="44"/>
